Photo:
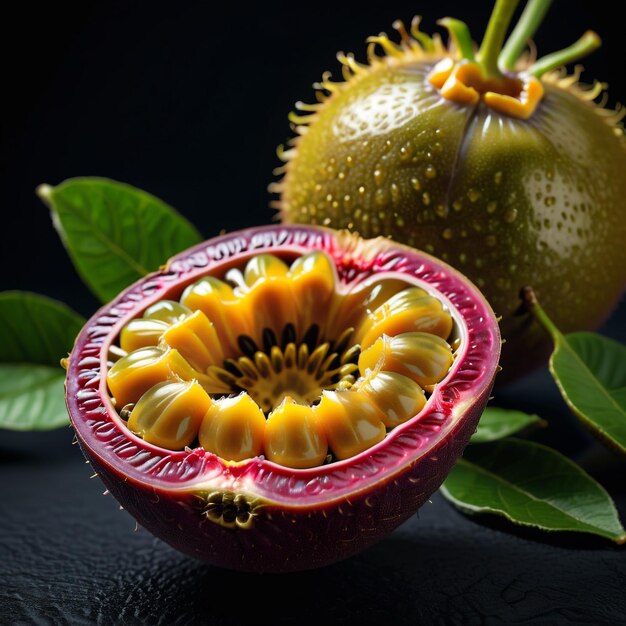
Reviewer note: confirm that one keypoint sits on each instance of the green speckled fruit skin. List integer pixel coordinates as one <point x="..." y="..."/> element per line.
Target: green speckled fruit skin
<point x="508" y="202"/>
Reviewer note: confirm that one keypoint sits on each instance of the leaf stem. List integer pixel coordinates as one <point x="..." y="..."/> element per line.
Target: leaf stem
<point x="531" y="304"/>
<point x="494" y="35"/>
<point x="589" y="42"/>
<point x="526" y="27"/>
<point x="460" y="34"/>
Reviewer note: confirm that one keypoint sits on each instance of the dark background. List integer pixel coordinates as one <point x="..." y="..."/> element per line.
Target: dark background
<point x="189" y="100"/>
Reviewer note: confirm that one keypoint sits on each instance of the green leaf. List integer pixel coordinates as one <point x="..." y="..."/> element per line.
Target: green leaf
<point x="35" y="329"/>
<point x="31" y="397"/>
<point x="114" y="233"/>
<point x="590" y="372"/>
<point x="532" y="485"/>
<point x="497" y="423"/>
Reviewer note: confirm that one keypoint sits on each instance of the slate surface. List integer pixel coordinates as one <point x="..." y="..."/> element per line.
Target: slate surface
<point x="68" y="555"/>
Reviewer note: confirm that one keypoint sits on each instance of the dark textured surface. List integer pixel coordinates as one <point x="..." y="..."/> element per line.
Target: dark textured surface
<point x="69" y="555"/>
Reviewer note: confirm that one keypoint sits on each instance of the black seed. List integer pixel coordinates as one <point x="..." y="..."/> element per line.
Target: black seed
<point x="351" y="355"/>
<point x="247" y="345"/>
<point x="229" y="515"/>
<point x="230" y="365"/>
<point x="126" y="411"/>
<point x="334" y="363"/>
<point x="342" y="342"/>
<point x="289" y="335"/>
<point x="269" y="339"/>
<point x="311" y="337"/>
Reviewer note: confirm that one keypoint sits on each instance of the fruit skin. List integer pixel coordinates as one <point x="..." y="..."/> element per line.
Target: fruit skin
<point x="255" y="515"/>
<point x="508" y="202"/>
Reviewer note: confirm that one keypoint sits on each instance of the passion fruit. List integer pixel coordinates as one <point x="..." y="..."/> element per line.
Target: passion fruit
<point x="500" y="164"/>
<point x="279" y="398"/>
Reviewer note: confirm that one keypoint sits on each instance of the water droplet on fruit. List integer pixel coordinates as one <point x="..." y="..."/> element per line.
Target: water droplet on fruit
<point x="380" y="197"/>
<point x="490" y="240"/>
<point x="492" y="206"/>
<point x="473" y="194"/>
<point x="497" y="178"/>
<point x="426" y="198"/>
<point x="457" y="205"/>
<point x="378" y="176"/>
<point x="510" y="216"/>
<point x="441" y="210"/>
<point x="361" y="189"/>
<point x="430" y="171"/>
<point x="406" y="152"/>
<point x="395" y="193"/>
<point x="447" y="233"/>
<point x="415" y="183"/>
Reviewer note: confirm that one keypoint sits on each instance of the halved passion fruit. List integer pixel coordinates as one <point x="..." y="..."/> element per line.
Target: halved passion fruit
<point x="279" y="398"/>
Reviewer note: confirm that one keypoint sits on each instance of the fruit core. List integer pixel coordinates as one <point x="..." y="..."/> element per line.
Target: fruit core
<point x="278" y="358"/>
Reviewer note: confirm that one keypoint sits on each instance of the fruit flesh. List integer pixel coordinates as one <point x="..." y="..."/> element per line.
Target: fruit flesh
<point x="260" y="516"/>
<point x="308" y="383"/>
<point x="508" y="201"/>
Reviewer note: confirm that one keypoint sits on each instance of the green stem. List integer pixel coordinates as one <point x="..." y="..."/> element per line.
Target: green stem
<point x="531" y="304"/>
<point x="494" y="35"/>
<point x="460" y="34"/>
<point x="526" y="27"/>
<point x="584" y="46"/>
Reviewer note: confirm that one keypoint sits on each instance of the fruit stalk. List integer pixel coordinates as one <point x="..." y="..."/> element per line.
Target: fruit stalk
<point x="494" y="36"/>
<point x="526" y="27"/>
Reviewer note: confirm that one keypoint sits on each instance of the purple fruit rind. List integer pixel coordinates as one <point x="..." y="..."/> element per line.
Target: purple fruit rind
<point x="308" y="517"/>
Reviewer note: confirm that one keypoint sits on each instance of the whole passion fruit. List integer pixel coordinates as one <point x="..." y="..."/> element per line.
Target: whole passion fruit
<point x="279" y="398"/>
<point x="502" y="165"/>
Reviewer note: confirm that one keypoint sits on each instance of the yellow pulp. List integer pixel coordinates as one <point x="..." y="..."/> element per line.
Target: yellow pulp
<point x="279" y="362"/>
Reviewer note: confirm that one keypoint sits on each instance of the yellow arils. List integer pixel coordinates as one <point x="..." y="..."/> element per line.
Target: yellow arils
<point x="423" y="357"/>
<point x="218" y="302"/>
<point x="169" y="414"/>
<point x="465" y="83"/>
<point x="351" y="422"/>
<point x="410" y="310"/>
<point x="286" y="376"/>
<point x="197" y="340"/>
<point x="294" y="437"/>
<point x="264" y="266"/>
<point x="397" y="397"/>
<point x="271" y="304"/>
<point x="141" y="333"/>
<point x="167" y="311"/>
<point x="147" y="331"/>
<point x="360" y="302"/>
<point x="140" y="370"/>
<point x="233" y="428"/>
<point x="313" y="285"/>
